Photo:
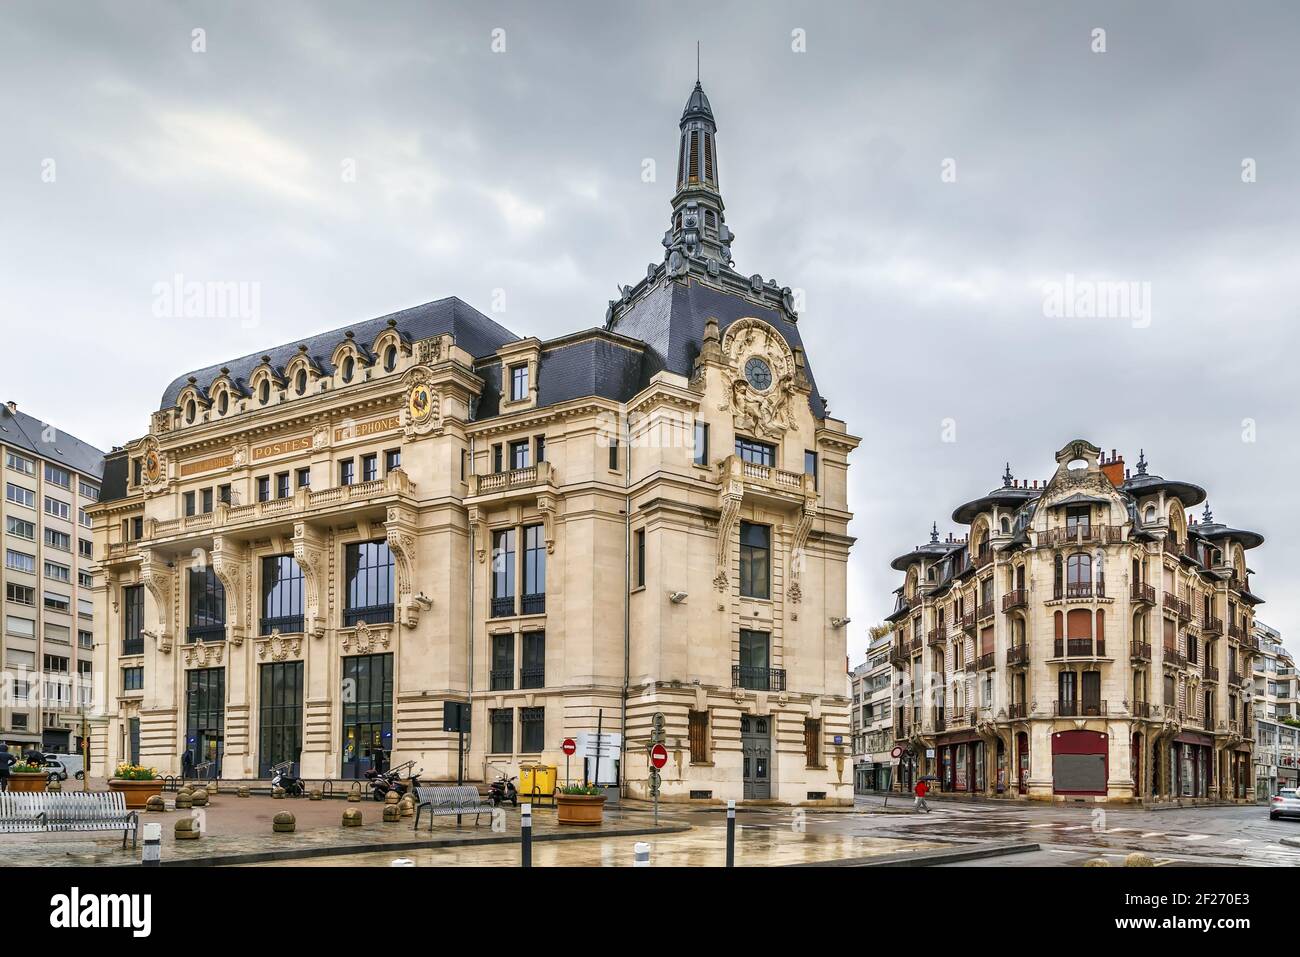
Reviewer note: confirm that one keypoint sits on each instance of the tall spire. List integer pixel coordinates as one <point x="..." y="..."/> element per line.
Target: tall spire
<point x="698" y="229"/>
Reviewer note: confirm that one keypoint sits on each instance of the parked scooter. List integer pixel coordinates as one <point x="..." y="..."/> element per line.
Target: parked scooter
<point x="282" y="776"/>
<point x="381" y="782"/>
<point x="502" y="790"/>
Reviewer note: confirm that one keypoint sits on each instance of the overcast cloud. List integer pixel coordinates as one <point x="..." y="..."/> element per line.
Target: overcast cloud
<point x="521" y="171"/>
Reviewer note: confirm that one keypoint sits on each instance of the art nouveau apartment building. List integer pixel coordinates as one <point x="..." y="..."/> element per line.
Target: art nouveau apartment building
<point x="316" y="548"/>
<point x="1082" y="640"/>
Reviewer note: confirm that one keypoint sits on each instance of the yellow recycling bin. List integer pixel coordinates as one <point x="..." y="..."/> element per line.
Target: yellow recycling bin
<point x="536" y="780"/>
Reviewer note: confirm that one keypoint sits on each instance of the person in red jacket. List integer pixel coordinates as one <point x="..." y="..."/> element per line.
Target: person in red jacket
<point x="921" y="790"/>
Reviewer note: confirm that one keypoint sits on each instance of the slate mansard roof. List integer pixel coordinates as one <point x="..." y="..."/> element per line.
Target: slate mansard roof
<point x="475" y="333"/>
<point x="23" y="431"/>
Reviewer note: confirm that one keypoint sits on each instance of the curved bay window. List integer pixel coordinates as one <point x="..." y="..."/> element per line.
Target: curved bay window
<point x="281" y="595"/>
<point x="369" y="584"/>
<point x="207" y="621"/>
<point x="1078" y="575"/>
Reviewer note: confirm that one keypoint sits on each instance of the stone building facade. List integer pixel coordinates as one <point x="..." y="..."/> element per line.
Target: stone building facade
<point x="873" y="687"/>
<point x="313" y="551"/>
<point x="1277" y="721"/>
<point x="1083" y="640"/>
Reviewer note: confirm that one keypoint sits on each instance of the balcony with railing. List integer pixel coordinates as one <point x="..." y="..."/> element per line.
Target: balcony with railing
<point x="939" y="720"/>
<point x="132" y="646"/>
<point x="1142" y="709"/>
<point x="982" y="560"/>
<point x="502" y="679"/>
<point x="503" y="607"/>
<point x="1079" y="648"/>
<point x="534" y="604"/>
<point x="1140" y="651"/>
<point x="1017" y="711"/>
<point x="767" y="482"/>
<point x="1081" y="534"/>
<point x="1017" y="655"/>
<point x="984" y="611"/>
<point x="532" y="677"/>
<point x="367" y="614"/>
<point x="1212" y="626"/>
<point x="512" y="483"/>
<point x="968" y="623"/>
<point x="1211" y="673"/>
<point x="1177" y="605"/>
<point x="1234" y="677"/>
<point x="1017" y="598"/>
<point x="1141" y="593"/>
<point x="986" y="661"/>
<point x="1174" y="658"/>
<point x="205" y="633"/>
<point x="1072" y="591"/>
<point x="1079" y="709"/>
<point x="758" y="679"/>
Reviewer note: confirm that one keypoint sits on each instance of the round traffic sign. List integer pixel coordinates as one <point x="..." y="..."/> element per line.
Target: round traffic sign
<point x="570" y="746"/>
<point x="896" y="753"/>
<point x="658" y="756"/>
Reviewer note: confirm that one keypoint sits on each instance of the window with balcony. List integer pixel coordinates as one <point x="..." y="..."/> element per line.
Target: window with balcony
<point x="188" y="499"/>
<point x="264" y="488"/>
<point x="534" y="596"/>
<point x="755" y="560"/>
<point x="498" y="458"/>
<point x="503" y="663"/>
<point x="282" y="485"/>
<point x="759" y="453"/>
<point x="133" y="620"/>
<point x="519" y="454"/>
<point x="206" y="496"/>
<point x="369" y="583"/>
<point x="347" y="472"/>
<point x="392" y="460"/>
<point x="304" y="478"/>
<point x="503" y="573"/>
<point x="207" y="606"/>
<point x="539" y="448"/>
<point x="755" y="671"/>
<point x="281" y="595"/>
<point x="532" y="672"/>
<point x="1078" y="575"/>
<point x="369" y="467"/>
<point x="1077" y="517"/>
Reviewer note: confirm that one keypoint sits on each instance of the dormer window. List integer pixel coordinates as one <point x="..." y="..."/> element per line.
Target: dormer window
<point x="349" y="368"/>
<point x="390" y="358"/>
<point x="264" y="392"/>
<point x="223" y="402"/>
<point x="300" y="382"/>
<point x="190" y="411"/>
<point x="518" y="383"/>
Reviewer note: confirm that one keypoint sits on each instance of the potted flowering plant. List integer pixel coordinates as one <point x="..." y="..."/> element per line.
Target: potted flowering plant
<point x="137" y="782"/>
<point x="580" y="804"/>
<point x="27" y="778"/>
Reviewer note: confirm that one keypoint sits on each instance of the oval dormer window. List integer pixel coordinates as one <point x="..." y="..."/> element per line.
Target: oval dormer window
<point x="300" y="382"/>
<point x="390" y="358"/>
<point x="189" y="411"/>
<point x="264" y="393"/>
<point x="223" y="402"/>
<point x="349" y="365"/>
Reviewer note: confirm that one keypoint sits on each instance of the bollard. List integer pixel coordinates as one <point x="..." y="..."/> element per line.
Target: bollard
<point x="526" y="829"/>
<point x="731" y="833"/>
<point x="151" y="850"/>
<point x="641" y="854"/>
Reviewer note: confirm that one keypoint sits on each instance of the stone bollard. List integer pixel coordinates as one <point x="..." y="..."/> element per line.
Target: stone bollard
<point x="184" y="800"/>
<point x="155" y="804"/>
<point x="277" y="793"/>
<point x="283" y="823"/>
<point x="1097" y="862"/>
<point x="1138" y="859"/>
<point x="407" y="806"/>
<point x="354" y="796"/>
<point x="392" y="797"/>
<point x="315" y="795"/>
<point x="243" y="791"/>
<point x="54" y="787"/>
<point x="187" y="829"/>
<point x="352" y="817"/>
<point x="199" y="798"/>
<point x="392" y="814"/>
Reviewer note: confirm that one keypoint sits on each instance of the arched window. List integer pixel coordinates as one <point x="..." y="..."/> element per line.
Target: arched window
<point x="348" y="366"/>
<point x="264" y="392"/>
<point x="223" y="402"/>
<point x="300" y="381"/>
<point x="390" y="358"/>
<point x="1006" y="525"/>
<point x="1078" y="575"/>
<point x="190" y="409"/>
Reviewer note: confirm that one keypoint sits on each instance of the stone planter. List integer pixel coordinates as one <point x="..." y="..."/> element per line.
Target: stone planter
<point x="30" y="782"/>
<point x="585" y="809"/>
<point x="137" y="792"/>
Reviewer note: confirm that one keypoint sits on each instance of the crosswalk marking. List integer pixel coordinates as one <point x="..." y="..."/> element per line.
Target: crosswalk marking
<point x="1191" y="837"/>
<point x="1154" y="834"/>
<point x="1237" y="840"/>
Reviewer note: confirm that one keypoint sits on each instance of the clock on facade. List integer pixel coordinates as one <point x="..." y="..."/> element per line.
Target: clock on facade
<point x="758" y="374"/>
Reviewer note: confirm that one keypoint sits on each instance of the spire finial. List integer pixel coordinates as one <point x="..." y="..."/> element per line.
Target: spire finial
<point x="1007" y="477"/>
<point x="934" y="533"/>
<point x="1142" y="461"/>
<point x="697" y="61"/>
<point x="1207" y="517"/>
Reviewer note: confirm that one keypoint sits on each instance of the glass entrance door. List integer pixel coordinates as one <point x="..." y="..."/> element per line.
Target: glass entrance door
<point x="205" y="717"/>
<point x="367" y="695"/>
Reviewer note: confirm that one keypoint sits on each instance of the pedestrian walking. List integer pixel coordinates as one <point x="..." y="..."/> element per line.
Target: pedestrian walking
<point x="921" y="790"/>
<point x="7" y="761"/>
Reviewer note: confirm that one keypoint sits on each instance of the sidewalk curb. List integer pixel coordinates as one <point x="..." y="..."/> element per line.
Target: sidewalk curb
<point x="930" y="858"/>
<point x="290" y="854"/>
<point x="1289" y="841"/>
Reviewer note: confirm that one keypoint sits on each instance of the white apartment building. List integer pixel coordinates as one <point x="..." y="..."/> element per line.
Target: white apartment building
<point x="1277" y="715"/>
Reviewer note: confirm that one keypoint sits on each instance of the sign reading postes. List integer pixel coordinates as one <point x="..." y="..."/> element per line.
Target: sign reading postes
<point x="569" y="746"/>
<point x="658" y="756"/>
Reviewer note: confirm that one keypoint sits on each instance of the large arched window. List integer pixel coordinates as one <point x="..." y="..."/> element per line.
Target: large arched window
<point x="1078" y="575"/>
<point x="207" y="606"/>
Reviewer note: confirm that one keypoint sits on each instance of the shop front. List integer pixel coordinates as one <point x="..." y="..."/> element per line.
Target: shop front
<point x="961" y="764"/>
<point x="1191" y="762"/>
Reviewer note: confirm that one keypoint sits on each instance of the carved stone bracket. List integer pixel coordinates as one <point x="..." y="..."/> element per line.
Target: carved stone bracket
<point x="483" y="536"/>
<point x="400" y="526"/>
<point x="205" y="653"/>
<point x="797" y="543"/>
<point x="729" y="500"/>
<point x="158" y="579"/>
<point x="363" y="639"/>
<point x="230" y="565"/>
<point x="546" y="505"/>
<point x="309" y="551"/>
<point x="278" y="647"/>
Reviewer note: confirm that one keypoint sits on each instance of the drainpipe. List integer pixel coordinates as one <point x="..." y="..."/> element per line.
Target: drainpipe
<point x="469" y="612"/>
<point x="627" y="607"/>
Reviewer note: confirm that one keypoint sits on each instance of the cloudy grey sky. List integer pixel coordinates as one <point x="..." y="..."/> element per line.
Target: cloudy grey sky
<point x="521" y="171"/>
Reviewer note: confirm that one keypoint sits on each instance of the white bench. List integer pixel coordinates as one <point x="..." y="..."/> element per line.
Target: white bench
<point x="442" y="801"/>
<point x="69" y="811"/>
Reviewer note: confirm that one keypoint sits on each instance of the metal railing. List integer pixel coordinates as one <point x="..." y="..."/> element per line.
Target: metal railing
<point x="534" y="604"/>
<point x="1017" y="655"/>
<point x="286" y="624"/>
<point x="1017" y="710"/>
<point x="1017" y="598"/>
<point x="1177" y="605"/>
<point x="369" y="615"/>
<point x="1175" y="657"/>
<point x="983" y="662"/>
<point x="1142" y="593"/>
<point x="1140" y="650"/>
<point x="1212" y="626"/>
<point x="205" y="633"/>
<point x="1079" y="709"/>
<point x="984" y="611"/>
<point x="1078" y="647"/>
<point x="503" y="607"/>
<point x="758" y="679"/>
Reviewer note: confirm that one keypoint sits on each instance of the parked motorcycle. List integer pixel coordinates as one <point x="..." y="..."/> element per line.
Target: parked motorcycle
<point x="381" y="782"/>
<point x="502" y="790"/>
<point x="282" y="776"/>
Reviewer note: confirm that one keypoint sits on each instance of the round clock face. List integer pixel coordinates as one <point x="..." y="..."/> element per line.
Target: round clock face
<point x="421" y="402"/>
<point x="758" y="374"/>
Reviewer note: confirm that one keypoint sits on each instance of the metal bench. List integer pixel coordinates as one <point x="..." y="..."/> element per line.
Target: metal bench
<point x="444" y="800"/>
<point x="70" y="811"/>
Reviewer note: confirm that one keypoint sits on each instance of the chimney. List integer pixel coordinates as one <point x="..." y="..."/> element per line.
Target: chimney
<point x="12" y="406"/>
<point x="1113" y="468"/>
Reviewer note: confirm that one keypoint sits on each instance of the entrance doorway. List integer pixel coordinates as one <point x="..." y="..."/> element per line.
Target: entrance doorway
<point x="205" y="717"/>
<point x="367" y="713"/>
<point x="756" y="752"/>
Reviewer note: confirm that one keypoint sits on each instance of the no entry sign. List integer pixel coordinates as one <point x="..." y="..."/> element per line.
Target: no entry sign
<point x="658" y="756"/>
<point x="569" y="746"/>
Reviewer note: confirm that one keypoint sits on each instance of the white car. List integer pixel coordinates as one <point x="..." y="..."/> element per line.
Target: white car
<point x="61" y="765"/>
<point x="1285" y="804"/>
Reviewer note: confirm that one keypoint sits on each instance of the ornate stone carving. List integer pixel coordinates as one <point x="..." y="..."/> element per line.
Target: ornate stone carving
<point x="759" y="409"/>
<point x="797" y="542"/>
<point x="363" y="639"/>
<point x="546" y="505"/>
<point x="482" y="535"/>
<point x="155" y="469"/>
<point x="205" y="653"/>
<point x="430" y="350"/>
<point x="400" y="526"/>
<point x="278" y="647"/>
<point x="729" y="500"/>
<point x="157" y="579"/>
<point x="229" y="561"/>
<point x="309" y="551"/>
<point x="422" y="414"/>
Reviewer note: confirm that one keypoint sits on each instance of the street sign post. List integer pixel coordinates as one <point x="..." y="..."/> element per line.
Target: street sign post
<point x="658" y="756"/>
<point x="569" y="747"/>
